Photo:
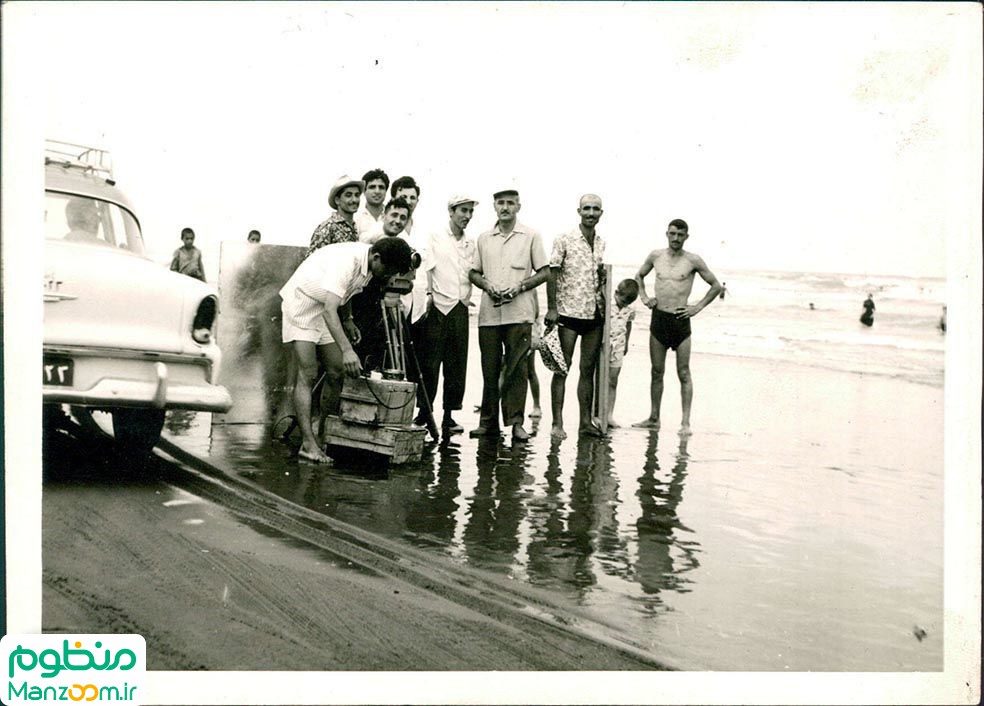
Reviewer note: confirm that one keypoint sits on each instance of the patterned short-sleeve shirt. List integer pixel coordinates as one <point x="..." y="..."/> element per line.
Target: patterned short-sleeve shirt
<point x="335" y="230"/>
<point x="619" y="329"/>
<point x="576" y="262"/>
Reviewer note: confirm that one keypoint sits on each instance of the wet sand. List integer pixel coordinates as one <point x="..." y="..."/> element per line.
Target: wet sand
<point x="799" y="528"/>
<point x="210" y="589"/>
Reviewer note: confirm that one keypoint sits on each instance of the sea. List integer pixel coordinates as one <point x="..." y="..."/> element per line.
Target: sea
<point x="813" y="319"/>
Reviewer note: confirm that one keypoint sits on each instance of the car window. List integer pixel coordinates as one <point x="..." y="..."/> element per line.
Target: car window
<point x="82" y="219"/>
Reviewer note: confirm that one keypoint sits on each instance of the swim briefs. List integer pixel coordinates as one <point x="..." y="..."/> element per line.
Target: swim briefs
<point x="668" y="329"/>
<point x="580" y="326"/>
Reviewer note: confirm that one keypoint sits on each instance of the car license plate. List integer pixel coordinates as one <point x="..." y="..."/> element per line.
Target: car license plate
<point x="58" y="371"/>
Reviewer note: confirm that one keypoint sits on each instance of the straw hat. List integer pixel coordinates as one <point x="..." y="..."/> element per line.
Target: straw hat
<point x="340" y="185"/>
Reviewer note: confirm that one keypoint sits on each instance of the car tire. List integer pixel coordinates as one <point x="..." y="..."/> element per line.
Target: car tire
<point x="54" y="416"/>
<point x="88" y="425"/>
<point x="137" y="430"/>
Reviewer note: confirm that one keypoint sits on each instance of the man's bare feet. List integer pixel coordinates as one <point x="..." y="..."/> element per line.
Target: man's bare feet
<point x="313" y="455"/>
<point x="612" y="424"/>
<point x="557" y="432"/>
<point x="685" y="430"/>
<point x="519" y="434"/>
<point x="536" y="413"/>
<point x="648" y="423"/>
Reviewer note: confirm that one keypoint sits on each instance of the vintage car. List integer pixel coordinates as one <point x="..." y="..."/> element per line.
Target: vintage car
<point x="122" y="334"/>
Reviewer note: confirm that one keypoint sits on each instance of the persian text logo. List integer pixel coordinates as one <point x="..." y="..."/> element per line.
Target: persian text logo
<point x="101" y="668"/>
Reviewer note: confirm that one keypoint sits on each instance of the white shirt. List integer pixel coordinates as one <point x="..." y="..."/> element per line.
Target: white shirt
<point x="371" y="234"/>
<point x="364" y="220"/>
<point x="416" y="300"/>
<point x="341" y="269"/>
<point x="451" y="259"/>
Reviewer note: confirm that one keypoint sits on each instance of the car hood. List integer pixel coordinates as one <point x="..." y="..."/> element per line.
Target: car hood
<point x="108" y="298"/>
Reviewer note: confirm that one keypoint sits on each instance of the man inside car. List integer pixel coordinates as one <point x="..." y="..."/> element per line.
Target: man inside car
<point x="83" y="221"/>
<point x="317" y="321"/>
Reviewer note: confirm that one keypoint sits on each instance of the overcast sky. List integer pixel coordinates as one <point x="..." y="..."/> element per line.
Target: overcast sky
<point x="795" y="136"/>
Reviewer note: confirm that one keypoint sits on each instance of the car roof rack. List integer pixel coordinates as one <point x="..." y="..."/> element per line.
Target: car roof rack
<point x="89" y="159"/>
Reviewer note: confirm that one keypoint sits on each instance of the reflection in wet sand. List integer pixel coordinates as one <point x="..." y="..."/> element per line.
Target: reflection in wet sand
<point x="664" y="555"/>
<point x="511" y="522"/>
<point x="496" y="508"/>
<point x="569" y="544"/>
<point x="431" y="514"/>
<point x="606" y="525"/>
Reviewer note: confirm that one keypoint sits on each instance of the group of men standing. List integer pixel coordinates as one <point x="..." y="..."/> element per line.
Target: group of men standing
<point x="331" y="311"/>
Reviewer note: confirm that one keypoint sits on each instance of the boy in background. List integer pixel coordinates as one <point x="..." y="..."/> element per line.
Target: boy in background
<point x="188" y="259"/>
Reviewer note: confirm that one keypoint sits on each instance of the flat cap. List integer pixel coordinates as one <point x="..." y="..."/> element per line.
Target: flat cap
<point x="459" y="199"/>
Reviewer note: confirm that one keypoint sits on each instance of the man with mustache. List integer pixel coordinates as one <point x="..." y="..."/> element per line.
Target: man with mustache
<point x="509" y="262"/>
<point x="340" y="227"/>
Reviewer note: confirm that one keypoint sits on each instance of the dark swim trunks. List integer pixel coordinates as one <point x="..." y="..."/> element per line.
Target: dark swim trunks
<point x="668" y="329"/>
<point x="580" y="326"/>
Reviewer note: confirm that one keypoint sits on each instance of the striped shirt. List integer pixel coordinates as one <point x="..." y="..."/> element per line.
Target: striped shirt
<point x="341" y="269"/>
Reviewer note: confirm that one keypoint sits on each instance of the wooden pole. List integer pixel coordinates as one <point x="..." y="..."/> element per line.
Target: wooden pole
<point x="604" y="357"/>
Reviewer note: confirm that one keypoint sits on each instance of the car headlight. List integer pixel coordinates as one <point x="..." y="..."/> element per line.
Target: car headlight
<point x="201" y="327"/>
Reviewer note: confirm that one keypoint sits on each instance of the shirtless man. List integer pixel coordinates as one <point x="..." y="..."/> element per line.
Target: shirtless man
<point x="670" y="325"/>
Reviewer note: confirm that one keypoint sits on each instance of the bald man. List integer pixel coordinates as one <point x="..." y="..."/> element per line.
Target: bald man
<point x="575" y="305"/>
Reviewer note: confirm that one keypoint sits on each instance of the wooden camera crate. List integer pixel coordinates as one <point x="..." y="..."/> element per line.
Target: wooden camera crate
<point x="370" y="401"/>
<point x="402" y="444"/>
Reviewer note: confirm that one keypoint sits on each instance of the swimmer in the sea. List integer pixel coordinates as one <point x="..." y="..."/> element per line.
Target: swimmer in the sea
<point x="671" y="313"/>
<point x="868" y="315"/>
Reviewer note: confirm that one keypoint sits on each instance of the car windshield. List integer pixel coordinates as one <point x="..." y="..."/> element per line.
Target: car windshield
<point x="83" y="219"/>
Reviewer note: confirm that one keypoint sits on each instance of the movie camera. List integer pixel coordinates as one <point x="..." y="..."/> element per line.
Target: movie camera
<point x="403" y="283"/>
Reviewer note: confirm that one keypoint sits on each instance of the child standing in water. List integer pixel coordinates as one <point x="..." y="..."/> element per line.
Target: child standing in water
<point x="620" y="328"/>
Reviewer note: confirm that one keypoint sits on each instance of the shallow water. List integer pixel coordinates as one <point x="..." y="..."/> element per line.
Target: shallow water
<point x="800" y="528"/>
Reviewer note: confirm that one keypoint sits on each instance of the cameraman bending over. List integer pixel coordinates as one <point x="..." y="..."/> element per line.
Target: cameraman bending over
<point x="317" y="320"/>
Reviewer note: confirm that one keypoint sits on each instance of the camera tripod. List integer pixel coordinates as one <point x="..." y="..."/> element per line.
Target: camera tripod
<point x="398" y="345"/>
